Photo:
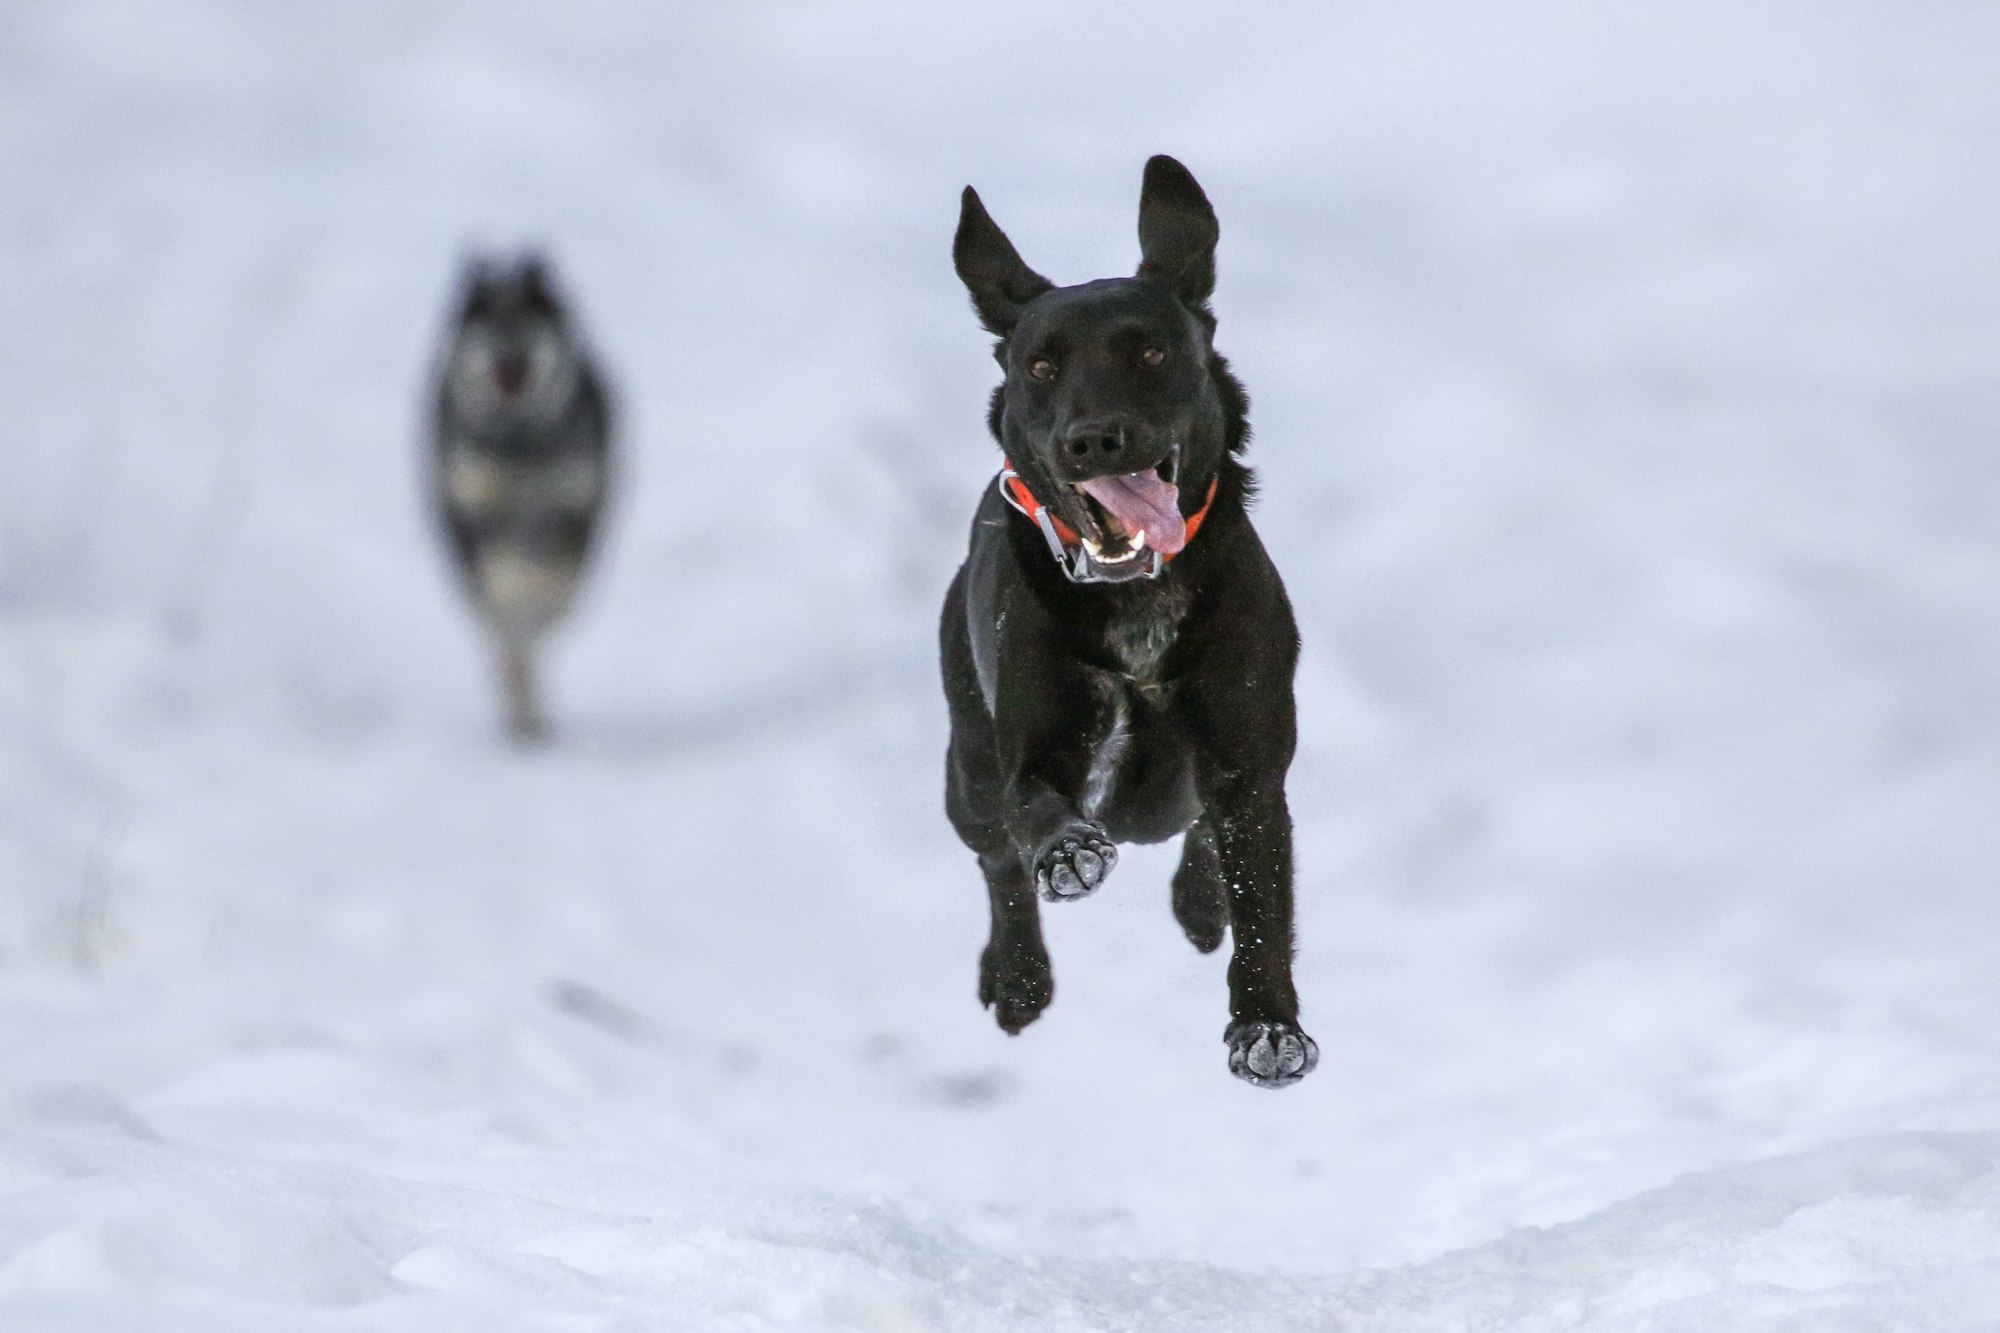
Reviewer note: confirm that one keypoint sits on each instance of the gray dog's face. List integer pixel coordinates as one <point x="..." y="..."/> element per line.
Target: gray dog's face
<point x="512" y="356"/>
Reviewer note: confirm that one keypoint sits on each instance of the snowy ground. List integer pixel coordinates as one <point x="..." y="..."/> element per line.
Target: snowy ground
<point x="1626" y="403"/>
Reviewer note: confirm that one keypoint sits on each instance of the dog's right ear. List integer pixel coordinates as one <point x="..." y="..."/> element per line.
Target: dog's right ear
<point x="537" y="284"/>
<point x="991" y="268"/>
<point x="476" y="273"/>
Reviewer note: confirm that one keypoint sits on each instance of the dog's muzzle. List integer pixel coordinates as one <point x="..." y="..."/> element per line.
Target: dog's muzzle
<point x="1082" y="560"/>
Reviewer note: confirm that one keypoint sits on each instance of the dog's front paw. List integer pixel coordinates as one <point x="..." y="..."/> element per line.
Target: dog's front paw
<point x="1074" y="863"/>
<point x="1016" y="984"/>
<point x="1270" y="1055"/>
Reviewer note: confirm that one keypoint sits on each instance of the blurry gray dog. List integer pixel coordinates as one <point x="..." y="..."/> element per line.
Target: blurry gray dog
<point x="521" y="463"/>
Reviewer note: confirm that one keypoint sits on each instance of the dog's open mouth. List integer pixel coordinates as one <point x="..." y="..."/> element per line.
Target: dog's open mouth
<point x="1129" y="514"/>
<point x="510" y="375"/>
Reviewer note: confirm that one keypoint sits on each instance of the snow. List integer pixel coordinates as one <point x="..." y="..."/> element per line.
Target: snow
<point x="1625" y="401"/>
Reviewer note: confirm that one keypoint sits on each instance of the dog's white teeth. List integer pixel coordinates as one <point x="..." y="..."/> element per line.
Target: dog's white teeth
<point x="1130" y="553"/>
<point x="1139" y="542"/>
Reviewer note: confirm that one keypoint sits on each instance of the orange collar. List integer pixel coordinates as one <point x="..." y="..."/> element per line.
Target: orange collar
<point x="1064" y="541"/>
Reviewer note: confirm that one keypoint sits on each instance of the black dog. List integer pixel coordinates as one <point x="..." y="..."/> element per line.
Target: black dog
<point x="1139" y="683"/>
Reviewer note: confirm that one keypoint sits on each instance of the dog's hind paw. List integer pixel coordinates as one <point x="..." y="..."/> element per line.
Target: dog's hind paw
<point x="1270" y="1055"/>
<point x="1015" y="985"/>
<point x="1201" y="904"/>
<point x="1075" y="863"/>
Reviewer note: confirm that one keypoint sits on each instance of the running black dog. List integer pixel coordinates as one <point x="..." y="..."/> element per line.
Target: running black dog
<point x="1118" y="649"/>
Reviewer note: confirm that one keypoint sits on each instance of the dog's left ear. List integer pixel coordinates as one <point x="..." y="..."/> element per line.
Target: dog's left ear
<point x="1177" y="231"/>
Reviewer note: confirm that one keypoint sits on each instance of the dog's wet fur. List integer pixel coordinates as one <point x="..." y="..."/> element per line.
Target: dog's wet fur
<point x="1086" y="715"/>
<point x="521" y="454"/>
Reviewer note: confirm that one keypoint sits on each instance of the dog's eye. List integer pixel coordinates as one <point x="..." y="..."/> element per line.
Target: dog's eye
<point x="1153" y="356"/>
<point x="1042" y="368"/>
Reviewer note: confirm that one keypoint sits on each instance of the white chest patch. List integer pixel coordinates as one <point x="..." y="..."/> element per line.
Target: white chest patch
<point x="1141" y="651"/>
<point x="477" y="484"/>
<point x="1110" y="750"/>
<point x="1140" y="643"/>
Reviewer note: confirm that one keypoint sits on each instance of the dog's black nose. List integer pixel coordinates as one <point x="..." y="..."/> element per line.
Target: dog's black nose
<point x="1094" y="446"/>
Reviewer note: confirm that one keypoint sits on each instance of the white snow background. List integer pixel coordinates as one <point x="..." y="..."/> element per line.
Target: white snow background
<point x="1626" y="387"/>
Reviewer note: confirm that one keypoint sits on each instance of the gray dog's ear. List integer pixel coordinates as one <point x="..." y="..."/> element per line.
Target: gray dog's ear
<point x="536" y="278"/>
<point x="991" y="268"/>
<point x="1177" y="231"/>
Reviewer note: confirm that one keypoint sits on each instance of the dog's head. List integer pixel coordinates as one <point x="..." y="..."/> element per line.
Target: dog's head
<point x="1113" y="408"/>
<point x="511" y="352"/>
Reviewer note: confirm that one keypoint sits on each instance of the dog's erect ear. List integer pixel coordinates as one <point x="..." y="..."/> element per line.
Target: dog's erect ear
<point x="538" y="291"/>
<point x="476" y="275"/>
<point x="991" y="268"/>
<point x="1177" y="231"/>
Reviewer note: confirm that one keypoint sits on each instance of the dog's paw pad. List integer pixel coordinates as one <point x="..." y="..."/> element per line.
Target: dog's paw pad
<point x="1270" y="1055"/>
<point x="1075" y="866"/>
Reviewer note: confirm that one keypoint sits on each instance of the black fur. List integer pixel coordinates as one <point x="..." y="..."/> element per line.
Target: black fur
<point x="1084" y="715"/>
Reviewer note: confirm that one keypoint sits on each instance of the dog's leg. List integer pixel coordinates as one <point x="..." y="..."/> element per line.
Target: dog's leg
<point x="1067" y="854"/>
<point x="1201" y="901"/>
<point x="1240" y="717"/>
<point x="1267" y="1046"/>
<point x="1253" y="841"/>
<point x="1052" y="718"/>
<point x="526" y="723"/>
<point x="1014" y="977"/>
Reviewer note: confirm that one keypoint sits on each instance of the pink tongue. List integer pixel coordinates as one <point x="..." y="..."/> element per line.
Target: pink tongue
<point x="1141" y="502"/>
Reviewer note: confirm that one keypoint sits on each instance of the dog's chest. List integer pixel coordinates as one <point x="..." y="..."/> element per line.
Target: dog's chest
<point x="1142" y="633"/>
<point x="476" y="483"/>
<point x="1141" y="639"/>
<point x="1137" y="639"/>
<point x="1140" y="650"/>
